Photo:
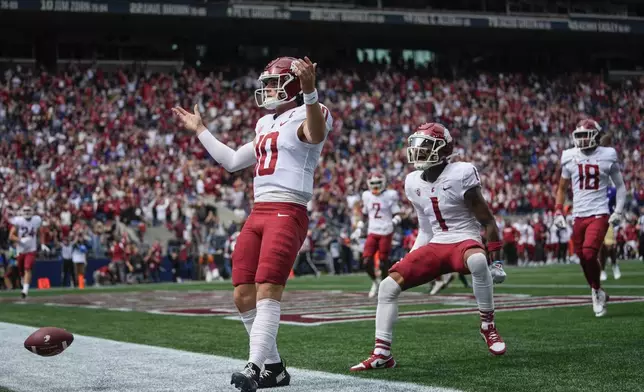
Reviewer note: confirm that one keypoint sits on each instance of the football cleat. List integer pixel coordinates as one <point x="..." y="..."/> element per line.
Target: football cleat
<point x="374" y="289"/>
<point x="616" y="272"/>
<point x="603" y="276"/>
<point x="375" y="361"/>
<point x="23" y="295"/>
<point x="494" y="342"/>
<point x="599" y="302"/>
<point x="274" y="375"/>
<point x="497" y="272"/>
<point x="247" y="379"/>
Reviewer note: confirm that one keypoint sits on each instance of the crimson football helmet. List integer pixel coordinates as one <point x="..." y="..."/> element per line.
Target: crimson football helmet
<point x="587" y="134"/>
<point x="429" y="146"/>
<point x="278" y="84"/>
<point x="376" y="182"/>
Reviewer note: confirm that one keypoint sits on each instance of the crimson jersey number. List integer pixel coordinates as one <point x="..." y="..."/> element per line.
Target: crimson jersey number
<point x="588" y="177"/>
<point x="24" y="231"/>
<point x="376" y="206"/>
<point x="437" y="213"/>
<point x="266" y="153"/>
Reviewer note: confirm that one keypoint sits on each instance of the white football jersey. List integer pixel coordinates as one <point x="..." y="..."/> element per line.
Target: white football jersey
<point x="590" y="177"/>
<point x="284" y="162"/>
<point x="523" y="232"/>
<point x="553" y="234"/>
<point x="443" y="204"/>
<point x="27" y="233"/>
<point x="530" y="235"/>
<point x="381" y="210"/>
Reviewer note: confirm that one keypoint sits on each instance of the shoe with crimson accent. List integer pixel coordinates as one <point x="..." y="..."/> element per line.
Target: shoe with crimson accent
<point x="375" y="361"/>
<point x="494" y="342"/>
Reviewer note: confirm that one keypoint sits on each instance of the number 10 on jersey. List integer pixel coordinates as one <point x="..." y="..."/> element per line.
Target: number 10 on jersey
<point x="266" y="154"/>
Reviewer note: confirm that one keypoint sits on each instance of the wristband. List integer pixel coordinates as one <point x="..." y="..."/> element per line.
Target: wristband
<point x="311" y="98"/>
<point x="494" y="246"/>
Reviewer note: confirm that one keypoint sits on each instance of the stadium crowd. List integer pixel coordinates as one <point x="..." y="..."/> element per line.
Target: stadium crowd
<point x="91" y="149"/>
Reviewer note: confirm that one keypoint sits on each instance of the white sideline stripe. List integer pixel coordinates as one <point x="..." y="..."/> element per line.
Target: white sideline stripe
<point x="569" y="286"/>
<point x="93" y="364"/>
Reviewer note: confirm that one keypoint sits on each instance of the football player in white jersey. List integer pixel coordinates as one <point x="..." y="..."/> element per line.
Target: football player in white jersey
<point x="451" y="209"/>
<point x="24" y="232"/>
<point x="284" y="155"/>
<point x="589" y="168"/>
<point x="382" y="208"/>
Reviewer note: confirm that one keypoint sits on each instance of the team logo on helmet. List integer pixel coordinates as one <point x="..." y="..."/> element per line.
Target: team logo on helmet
<point x="278" y="84"/>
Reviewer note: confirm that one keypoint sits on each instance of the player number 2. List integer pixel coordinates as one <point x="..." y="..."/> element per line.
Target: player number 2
<point x="437" y="212"/>
<point x="376" y="206"/>
<point x="588" y="177"/>
<point x="266" y="153"/>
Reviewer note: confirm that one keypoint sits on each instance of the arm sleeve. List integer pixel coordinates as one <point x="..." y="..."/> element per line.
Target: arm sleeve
<point x="230" y="159"/>
<point x="620" y="188"/>
<point x="470" y="179"/>
<point x="395" y="203"/>
<point x="365" y="210"/>
<point x="565" y="172"/>
<point x="425" y="232"/>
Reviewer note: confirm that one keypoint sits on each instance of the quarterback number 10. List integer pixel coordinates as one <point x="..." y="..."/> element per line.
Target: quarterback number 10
<point x="588" y="177"/>
<point x="266" y="153"/>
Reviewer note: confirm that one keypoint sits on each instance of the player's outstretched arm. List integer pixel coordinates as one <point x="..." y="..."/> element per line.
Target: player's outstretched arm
<point x="314" y="128"/>
<point x="560" y="198"/>
<point x="230" y="159"/>
<point x="478" y="206"/>
<point x="620" y="194"/>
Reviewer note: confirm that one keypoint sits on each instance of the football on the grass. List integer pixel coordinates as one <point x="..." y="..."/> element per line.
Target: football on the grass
<point x="49" y="341"/>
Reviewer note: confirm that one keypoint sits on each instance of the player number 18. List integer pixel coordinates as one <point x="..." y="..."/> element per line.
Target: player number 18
<point x="588" y="177"/>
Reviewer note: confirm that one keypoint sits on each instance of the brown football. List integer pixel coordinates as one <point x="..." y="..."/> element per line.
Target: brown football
<point x="49" y="341"/>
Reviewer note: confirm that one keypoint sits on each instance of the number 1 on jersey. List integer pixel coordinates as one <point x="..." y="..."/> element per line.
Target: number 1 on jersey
<point x="266" y="154"/>
<point x="437" y="213"/>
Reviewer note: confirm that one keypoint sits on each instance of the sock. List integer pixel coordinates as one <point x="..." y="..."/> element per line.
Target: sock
<point x="591" y="267"/>
<point x="464" y="280"/>
<point x="369" y="267"/>
<point x="482" y="287"/>
<point x="25" y="288"/>
<point x="613" y="255"/>
<point x="248" y="318"/>
<point x="382" y="347"/>
<point x="384" y="268"/>
<point x="263" y="335"/>
<point x="386" y="315"/>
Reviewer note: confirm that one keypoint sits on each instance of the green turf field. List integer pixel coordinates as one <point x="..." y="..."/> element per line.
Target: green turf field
<point x="549" y="349"/>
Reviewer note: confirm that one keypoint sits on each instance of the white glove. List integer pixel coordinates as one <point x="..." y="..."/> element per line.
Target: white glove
<point x="44" y="248"/>
<point x="560" y="221"/>
<point x="396" y="220"/>
<point x="25" y="240"/>
<point x="615" y="218"/>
